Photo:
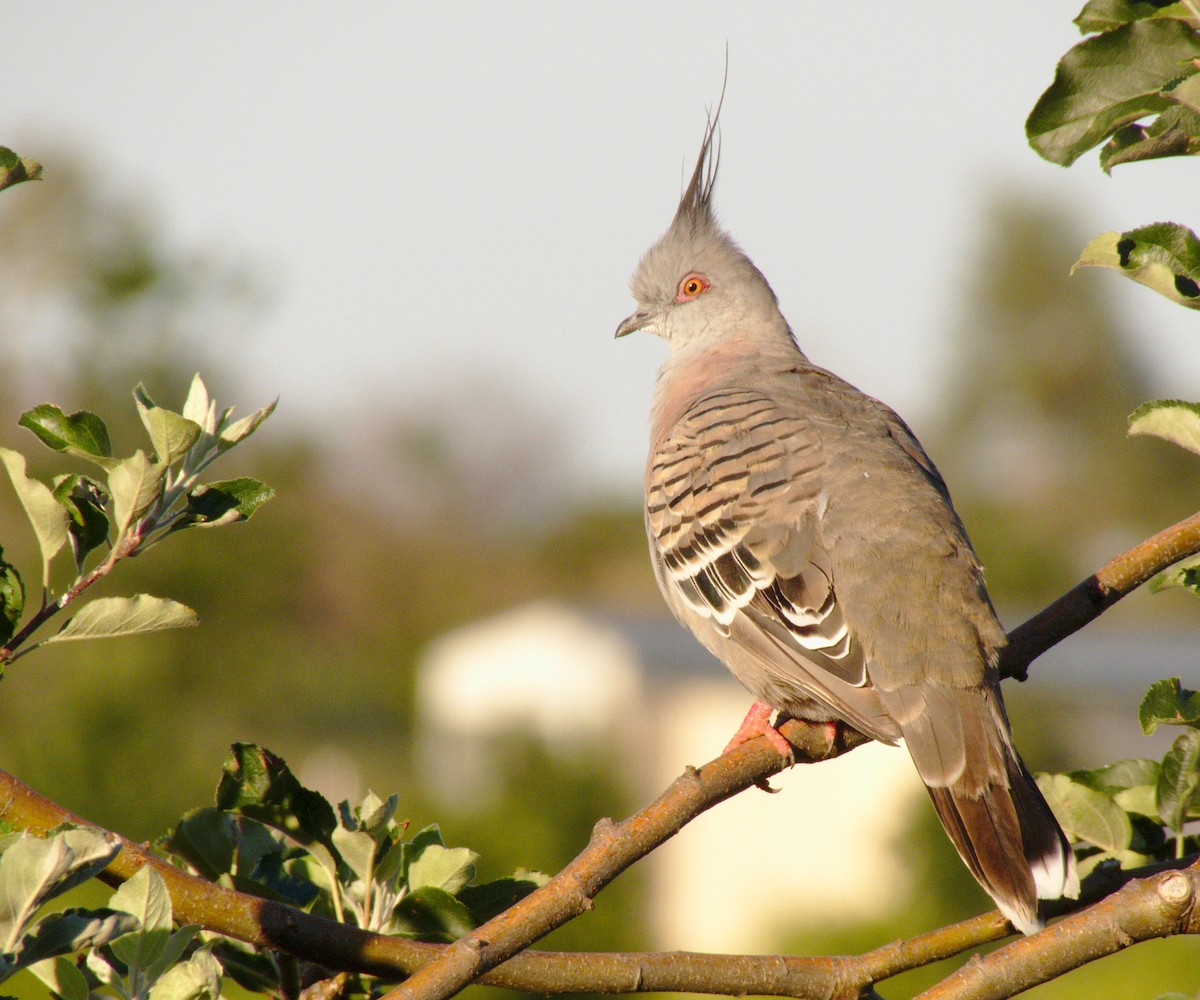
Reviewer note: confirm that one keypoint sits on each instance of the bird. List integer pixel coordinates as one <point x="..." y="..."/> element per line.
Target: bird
<point x="799" y="530"/>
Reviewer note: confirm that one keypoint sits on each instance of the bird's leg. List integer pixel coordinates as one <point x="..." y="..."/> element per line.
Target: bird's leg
<point x="758" y="723"/>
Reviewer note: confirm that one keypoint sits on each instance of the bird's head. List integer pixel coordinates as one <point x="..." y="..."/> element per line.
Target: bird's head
<point x="695" y="284"/>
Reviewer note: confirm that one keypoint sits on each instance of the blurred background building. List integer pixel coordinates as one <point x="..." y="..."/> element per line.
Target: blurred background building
<point x="642" y="694"/>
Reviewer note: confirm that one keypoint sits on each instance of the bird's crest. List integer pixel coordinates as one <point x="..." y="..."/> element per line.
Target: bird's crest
<point x="695" y="207"/>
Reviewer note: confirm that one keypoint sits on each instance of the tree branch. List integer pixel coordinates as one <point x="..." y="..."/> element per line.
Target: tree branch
<point x="612" y="849"/>
<point x="341" y="946"/>
<point x="1147" y="908"/>
<point x="1095" y="595"/>
<point x="440" y="970"/>
<point x="571" y="891"/>
<point x="239" y="915"/>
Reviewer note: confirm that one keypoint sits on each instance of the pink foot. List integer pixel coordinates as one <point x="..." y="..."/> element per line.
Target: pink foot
<point x="758" y="723"/>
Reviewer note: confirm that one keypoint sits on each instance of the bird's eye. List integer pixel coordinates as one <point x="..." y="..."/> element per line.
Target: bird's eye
<point x="691" y="287"/>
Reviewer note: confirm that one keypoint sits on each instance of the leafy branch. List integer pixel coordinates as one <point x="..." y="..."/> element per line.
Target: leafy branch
<point x="145" y="498"/>
<point x="1131" y="87"/>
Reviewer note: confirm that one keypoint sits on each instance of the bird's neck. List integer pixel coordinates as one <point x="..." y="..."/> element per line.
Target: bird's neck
<point x="694" y="370"/>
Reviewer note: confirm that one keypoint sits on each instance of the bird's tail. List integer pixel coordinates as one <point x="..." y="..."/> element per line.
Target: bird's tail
<point x="1011" y="841"/>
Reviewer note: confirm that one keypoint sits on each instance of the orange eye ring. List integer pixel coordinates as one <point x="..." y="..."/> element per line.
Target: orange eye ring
<point x="692" y="287"/>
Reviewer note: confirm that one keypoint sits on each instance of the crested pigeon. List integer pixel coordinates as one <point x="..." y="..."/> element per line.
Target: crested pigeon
<point x="798" y="528"/>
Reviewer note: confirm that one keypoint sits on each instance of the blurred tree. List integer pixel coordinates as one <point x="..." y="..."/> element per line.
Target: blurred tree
<point x="473" y="456"/>
<point x="1032" y="437"/>
<point x="90" y="287"/>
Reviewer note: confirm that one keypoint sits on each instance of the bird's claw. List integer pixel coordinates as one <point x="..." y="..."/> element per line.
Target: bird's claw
<point x="758" y="723"/>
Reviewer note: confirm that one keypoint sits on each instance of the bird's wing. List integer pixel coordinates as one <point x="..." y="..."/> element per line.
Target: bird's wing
<point x="733" y="501"/>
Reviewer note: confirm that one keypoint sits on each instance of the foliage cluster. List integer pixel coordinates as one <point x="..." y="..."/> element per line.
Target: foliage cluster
<point x="267" y="835"/>
<point x="1131" y="87"/>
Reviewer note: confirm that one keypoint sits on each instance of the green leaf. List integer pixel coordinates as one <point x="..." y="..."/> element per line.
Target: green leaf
<point x="389" y="869"/>
<point x="1170" y="419"/>
<point x="82" y="434"/>
<point x="73" y="930"/>
<point x="172" y="434"/>
<point x="145" y="896"/>
<point x="491" y="898"/>
<point x="258" y="784"/>
<point x="106" y="617"/>
<point x="135" y="483"/>
<point x="1179" y="779"/>
<point x="1140" y="799"/>
<point x="433" y="915"/>
<point x="298" y="880"/>
<point x="1168" y="703"/>
<point x="1086" y="814"/>
<point x="1149" y="837"/>
<point x="224" y="502"/>
<point x="12" y="598"/>
<point x="1127" y="860"/>
<point x="1185" y="573"/>
<point x="357" y="849"/>
<point x="1107" y="81"/>
<point x="1116" y="777"/>
<point x="1129" y="783"/>
<point x="254" y="971"/>
<point x="1175" y="132"/>
<point x="198" y="407"/>
<point x="99" y="966"/>
<point x="35" y="869"/>
<point x="242" y="429"/>
<point x="431" y="834"/>
<point x="230" y="850"/>
<point x="50" y="522"/>
<point x="206" y="838"/>
<point x="1104" y="15"/>
<point x="62" y="977"/>
<point x="376" y="815"/>
<point x="446" y="868"/>
<point x="199" y="978"/>
<point x="1163" y="256"/>
<point x="173" y="950"/>
<point x="1119" y="775"/>
<point x="14" y="170"/>
<point x="84" y="500"/>
<point x="1186" y="92"/>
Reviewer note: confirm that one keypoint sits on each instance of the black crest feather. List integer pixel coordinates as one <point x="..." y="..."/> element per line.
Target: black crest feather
<point x="695" y="207"/>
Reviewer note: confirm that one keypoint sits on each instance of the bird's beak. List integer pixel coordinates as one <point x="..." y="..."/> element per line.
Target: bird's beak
<point x="641" y="320"/>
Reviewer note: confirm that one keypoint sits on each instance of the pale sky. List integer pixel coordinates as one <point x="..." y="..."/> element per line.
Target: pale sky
<point x="457" y="193"/>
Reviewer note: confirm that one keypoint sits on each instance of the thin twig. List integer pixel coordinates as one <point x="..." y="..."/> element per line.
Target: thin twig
<point x="1089" y="599"/>
<point x="12" y="651"/>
